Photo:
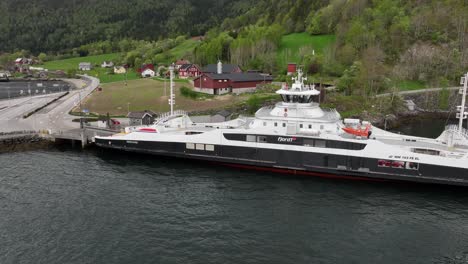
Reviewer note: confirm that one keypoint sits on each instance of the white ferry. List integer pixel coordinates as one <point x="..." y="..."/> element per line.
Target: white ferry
<point x="296" y="136"/>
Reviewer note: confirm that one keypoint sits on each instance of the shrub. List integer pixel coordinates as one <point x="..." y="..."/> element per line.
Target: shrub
<point x="187" y="92"/>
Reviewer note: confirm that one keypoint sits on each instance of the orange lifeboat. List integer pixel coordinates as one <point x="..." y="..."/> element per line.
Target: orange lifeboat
<point x="360" y="132"/>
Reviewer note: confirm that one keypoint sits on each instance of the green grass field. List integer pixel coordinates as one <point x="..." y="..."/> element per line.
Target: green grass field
<point x="73" y="62"/>
<point x="292" y="43"/>
<point x="148" y="94"/>
<point x="410" y="85"/>
<point x="102" y="73"/>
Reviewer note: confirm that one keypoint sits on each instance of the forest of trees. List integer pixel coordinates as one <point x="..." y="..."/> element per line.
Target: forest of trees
<point x="378" y="42"/>
<point x="57" y="25"/>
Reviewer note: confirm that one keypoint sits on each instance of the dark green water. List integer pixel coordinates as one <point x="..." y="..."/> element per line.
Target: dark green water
<point x="67" y="206"/>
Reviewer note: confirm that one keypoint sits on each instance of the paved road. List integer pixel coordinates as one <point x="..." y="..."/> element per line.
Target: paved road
<point x="54" y="117"/>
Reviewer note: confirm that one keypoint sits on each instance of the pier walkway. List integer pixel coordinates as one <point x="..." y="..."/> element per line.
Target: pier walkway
<point x="48" y="115"/>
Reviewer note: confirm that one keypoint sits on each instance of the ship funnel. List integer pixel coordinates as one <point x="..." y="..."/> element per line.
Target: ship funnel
<point x="220" y="67"/>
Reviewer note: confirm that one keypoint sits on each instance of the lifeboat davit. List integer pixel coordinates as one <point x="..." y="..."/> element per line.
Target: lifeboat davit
<point x="147" y="130"/>
<point x="360" y="132"/>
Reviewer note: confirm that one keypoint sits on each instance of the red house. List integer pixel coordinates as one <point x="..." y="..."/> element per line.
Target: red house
<point x="230" y="82"/>
<point x="292" y="68"/>
<point x="189" y="71"/>
<point x="145" y="67"/>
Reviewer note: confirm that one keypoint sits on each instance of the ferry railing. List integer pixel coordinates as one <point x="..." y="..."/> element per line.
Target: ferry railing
<point x="454" y="128"/>
<point x="165" y="116"/>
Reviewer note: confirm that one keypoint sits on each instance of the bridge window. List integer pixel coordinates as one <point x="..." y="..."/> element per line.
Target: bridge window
<point x="310" y="126"/>
<point x="319" y="143"/>
<point x="284" y="124"/>
<point x="301" y="126"/>
<point x="190" y="146"/>
<point x="426" y="151"/>
<point x="276" y="124"/>
<point x="264" y="123"/>
<point x="209" y="147"/>
<point x="251" y="138"/>
<point x="200" y="146"/>
<point x="262" y="139"/>
<point x="308" y="142"/>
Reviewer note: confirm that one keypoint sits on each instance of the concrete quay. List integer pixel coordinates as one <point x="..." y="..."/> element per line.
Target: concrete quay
<point x="47" y="116"/>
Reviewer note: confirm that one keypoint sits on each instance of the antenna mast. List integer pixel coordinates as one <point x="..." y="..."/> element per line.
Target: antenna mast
<point x="172" y="96"/>
<point x="463" y="114"/>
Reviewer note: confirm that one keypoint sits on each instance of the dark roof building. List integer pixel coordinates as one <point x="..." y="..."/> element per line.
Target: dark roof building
<point x="181" y="62"/>
<point x="224" y="113"/>
<point x="141" y="118"/>
<point x="230" y="82"/>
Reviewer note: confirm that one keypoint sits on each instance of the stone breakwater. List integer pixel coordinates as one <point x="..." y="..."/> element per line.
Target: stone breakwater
<point x="23" y="141"/>
<point x="444" y="101"/>
<point x="440" y="104"/>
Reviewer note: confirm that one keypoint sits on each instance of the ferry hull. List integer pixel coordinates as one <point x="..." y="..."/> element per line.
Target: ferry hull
<point x="295" y="162"/>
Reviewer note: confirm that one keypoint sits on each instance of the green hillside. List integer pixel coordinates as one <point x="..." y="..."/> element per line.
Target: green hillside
<point x="290" y="46"/>
<point x="104" y="74"/>
<point x="183" y="50"/>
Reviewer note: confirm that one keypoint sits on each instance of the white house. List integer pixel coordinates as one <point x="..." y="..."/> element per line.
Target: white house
<point x="148" y="73"/>
<point x="107" y="64"/>
<point x="85" y="66"/>
<point x="120" y="70"/>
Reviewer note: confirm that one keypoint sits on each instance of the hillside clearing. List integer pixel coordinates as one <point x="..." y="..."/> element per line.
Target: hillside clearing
<point x="181" y="51"/>
<point x="289" y="50"/>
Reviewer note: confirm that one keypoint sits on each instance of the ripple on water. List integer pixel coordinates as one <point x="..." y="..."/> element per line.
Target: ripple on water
<point x="87" y="207"/>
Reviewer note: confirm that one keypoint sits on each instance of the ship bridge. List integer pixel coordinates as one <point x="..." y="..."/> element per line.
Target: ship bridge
<point x="298" y="103"/>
